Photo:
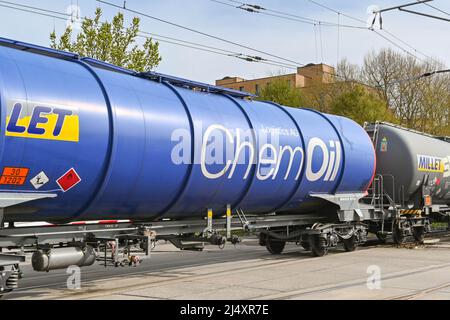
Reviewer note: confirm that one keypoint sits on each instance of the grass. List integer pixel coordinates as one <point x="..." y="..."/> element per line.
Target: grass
<point x="439" y="225"/>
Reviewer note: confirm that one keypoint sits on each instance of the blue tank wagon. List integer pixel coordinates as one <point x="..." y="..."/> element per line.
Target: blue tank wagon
<point x="105" y="141"/>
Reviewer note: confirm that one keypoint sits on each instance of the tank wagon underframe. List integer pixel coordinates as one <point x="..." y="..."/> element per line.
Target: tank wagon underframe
<point x="59" y="246"/>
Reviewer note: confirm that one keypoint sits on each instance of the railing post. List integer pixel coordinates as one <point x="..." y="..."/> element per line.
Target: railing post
<point x="228" y="221"/>
<point x="209" y="224"/>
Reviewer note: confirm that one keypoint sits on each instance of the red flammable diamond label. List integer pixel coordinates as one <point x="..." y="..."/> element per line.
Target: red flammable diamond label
<point x="68" y="180"/>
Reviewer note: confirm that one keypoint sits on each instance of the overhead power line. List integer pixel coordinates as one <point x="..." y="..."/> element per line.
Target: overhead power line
<point x="188" y="44"/>
<point x="335" y="11"/>
<point x="380" y="34"/>
<point x="424" y="75"/>
<point x="436" y="8"/>
<point x="424" y="14"/>
<point x="161" y="38"/>
<point x="259" y="9"/>
<point x="282" y="15"/>
<point x="200" y="32"/>
<point x="125" y="8"/>
<point x="403" y="6"/>
<point x="25" y="10"/>
<point x="435" y="72"/>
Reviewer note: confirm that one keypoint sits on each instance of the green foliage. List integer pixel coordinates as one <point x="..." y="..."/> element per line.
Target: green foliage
<point x="358" y="104"/>
<point x="280" y="91"/>
<point x="110" y="42"/>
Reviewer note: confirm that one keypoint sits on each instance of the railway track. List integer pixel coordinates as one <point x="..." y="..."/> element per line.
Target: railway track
<point x="421" y="293"/>
<point x="161" y="273"/>
<point x="251" y="259"/>
<point x="298" y="294"/>
<point x="176" y="277"/>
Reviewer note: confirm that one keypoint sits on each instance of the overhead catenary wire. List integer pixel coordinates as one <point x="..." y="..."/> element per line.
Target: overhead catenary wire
<point x="379" y="33"/>
<point x="201" y="32"/>
<point x="283" y="15"/>
<point x="338" y="39"/>
<point x="318" y="22"/>
<point x="315" y="42"/>
<point x="335" y="11"/>
<point x="248" y="58"/>
<point x="165" y="39"/>
<point x="424" y="14"/>
<point x="237" y="55"/>
<point x="261" y="9"/>
<point x="436" y="8"/>
<point x="403" y="6"/>
<point x="421" y="76"/>
<point x="212" y="36"/>
<point x="313" y="21"/>
<point x="30" y="11"/>
<point x="321" y="43"/>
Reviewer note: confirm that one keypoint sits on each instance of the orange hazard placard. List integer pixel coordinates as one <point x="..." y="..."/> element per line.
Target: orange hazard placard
<point x="14" y="175"/>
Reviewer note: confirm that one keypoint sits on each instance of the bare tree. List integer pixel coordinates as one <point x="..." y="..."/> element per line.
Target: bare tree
<point x="420" y="103"/>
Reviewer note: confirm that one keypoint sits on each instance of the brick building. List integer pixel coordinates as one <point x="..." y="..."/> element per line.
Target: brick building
<point x="304" y="77"/>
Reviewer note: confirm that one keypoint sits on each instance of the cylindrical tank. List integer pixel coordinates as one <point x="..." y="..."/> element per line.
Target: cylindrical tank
<point x="61" y="258"/>
<point x="410" y="161"/>
<point x="115" y="145"/>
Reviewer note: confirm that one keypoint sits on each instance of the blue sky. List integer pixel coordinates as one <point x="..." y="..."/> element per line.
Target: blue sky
<point x="289" y="39"/>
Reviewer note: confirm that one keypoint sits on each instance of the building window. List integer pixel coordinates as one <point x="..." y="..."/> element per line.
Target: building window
<point x="289" y="83"/>
<point x="257" y="88"/>
<point x="241" y="88"/>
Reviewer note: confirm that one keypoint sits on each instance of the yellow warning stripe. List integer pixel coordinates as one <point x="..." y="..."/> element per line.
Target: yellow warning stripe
<point x="412" y="211"/>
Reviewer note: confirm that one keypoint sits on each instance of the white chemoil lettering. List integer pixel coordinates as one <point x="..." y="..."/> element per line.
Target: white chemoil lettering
<point x="266" y="161"/>
<point x="331" y="164"/>
<point x="239" y="148"/>
<point x="313" y="144"/>
<point x="206" y="136"/>
<point x="338" y="160"/>
<point x="292" y="153"/>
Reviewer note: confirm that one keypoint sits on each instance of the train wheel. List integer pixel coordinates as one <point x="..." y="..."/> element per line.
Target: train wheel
<point x="275" y="246"/>
<point x="398" y="234"/>
<point x="318" y="245"/>
<point x="350" y="243"/>
<point x="262" y="239"/>
<point x="418" y="234"/>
